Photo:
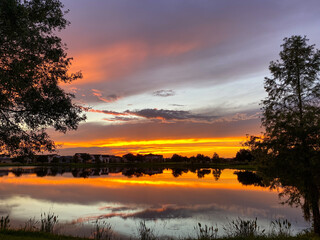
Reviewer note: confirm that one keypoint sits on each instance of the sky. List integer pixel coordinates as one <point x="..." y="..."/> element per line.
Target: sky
<point x="175" y="76"/>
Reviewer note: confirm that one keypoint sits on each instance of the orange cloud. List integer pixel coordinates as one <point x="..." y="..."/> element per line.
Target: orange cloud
<point x="108" y="99"/>
<point x="123" y="58"/>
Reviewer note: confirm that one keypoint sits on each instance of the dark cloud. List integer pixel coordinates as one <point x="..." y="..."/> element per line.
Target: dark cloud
<point x="162" y="114"/>
<point x="121" y="119"/>
<point x="174" y="115"/>
<point x="165" y="212"/>
<point x="168" y="115"/>
<point x="177" y="105"/>
<point x="164" y="93"/>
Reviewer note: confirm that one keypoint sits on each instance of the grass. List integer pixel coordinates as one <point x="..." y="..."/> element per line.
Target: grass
<point x="24" y="235"/>
<point x="238" y="229"/>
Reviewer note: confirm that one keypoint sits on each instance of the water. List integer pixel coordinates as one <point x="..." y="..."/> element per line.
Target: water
<point x="171" y="202"/>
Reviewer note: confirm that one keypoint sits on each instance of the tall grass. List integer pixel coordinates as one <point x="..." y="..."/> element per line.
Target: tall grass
<point x="4" y="223"/>
<point x="234" y="229"/>
<point x="243" y="228"/>
<point x="205" y="232"/>
<point x="281" y="227"/>
<point x="145" y="233"/>
<point x="48" y="222"/>
<point x="102" y="231"/>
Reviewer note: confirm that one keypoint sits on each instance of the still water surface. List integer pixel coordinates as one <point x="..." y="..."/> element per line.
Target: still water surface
<point x="171" y="202"/>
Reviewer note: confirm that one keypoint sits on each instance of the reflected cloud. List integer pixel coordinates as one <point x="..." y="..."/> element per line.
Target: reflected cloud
<point x="164" y="93"/>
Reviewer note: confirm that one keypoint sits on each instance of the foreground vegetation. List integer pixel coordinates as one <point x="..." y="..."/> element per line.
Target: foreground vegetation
<point x="25" y="235"/>
<point x="235" y="229"/>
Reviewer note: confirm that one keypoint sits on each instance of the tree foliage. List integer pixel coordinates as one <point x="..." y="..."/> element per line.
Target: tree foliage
<point x="244" y="155"/>
<point x="33" y="61"/>
<point x="289" y="151"/>
<point x="292" y="108"/>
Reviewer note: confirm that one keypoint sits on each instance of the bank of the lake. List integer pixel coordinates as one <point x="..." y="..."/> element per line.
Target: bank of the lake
<point x="24" y="235"/>
<point x="231" y="165"/>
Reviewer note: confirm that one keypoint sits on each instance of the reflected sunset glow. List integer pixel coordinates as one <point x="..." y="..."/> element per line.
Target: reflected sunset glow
<point x="164" y="180"/>
<point x="123" y="200"/>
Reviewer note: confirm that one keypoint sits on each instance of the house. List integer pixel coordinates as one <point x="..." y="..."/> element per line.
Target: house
<point x="65" y="159"/>
<point x="97" y="158"/>
<point x="5" y="158"/>
<point x="115" y="159"/>
<point x="83" y="158"/>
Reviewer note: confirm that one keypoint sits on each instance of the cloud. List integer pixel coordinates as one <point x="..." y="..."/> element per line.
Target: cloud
<point x="103" y="132"/>
<point x="164" y="93"/>
<point x="160" y="114"/>
<point x="120" y="119"/>
<point x="169" y="115"/>
<point x="108" y="99"/>
<point x="165" y="212"/>
<point x="132" y="48"/>
<point x="166" y="115"/>
<point x="105" y="112"/>
<point x="177" y="105"/>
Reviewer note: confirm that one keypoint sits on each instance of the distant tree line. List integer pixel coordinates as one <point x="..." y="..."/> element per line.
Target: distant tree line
<point x="242" y="156"/>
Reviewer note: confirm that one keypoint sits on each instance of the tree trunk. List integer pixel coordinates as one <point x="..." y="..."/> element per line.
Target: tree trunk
<point x="316" y="215"/>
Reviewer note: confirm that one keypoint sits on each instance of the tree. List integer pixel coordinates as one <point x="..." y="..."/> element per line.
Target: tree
<point x="215" y="157"/>
<point x="291" y="117"/>
<point x="33" y="61"/>
<point x="244" y="155"/>
<point x="291" y="113"/>
<point x="130" y="157"/>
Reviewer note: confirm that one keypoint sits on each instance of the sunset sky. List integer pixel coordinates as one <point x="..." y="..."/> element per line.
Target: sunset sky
<point x="175" y="76"/>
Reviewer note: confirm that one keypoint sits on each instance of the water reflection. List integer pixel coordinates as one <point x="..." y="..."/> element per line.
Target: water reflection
<point x="300" y="186"/>
<point x="176" y="198"/>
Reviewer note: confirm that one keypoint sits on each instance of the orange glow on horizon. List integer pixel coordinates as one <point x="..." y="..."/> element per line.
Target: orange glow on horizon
<point x="225" y="147"/>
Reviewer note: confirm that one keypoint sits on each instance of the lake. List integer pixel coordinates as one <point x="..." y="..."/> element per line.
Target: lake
<point x="170" y="201"/>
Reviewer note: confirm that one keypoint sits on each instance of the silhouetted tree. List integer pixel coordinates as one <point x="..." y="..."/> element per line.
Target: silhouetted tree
<point x="202" y="172"/>
<point x="33" y="61"/>
<point x="201" y="158"/>
<point x="140" y="158"/>
<point x="177" y="172"/>
<point x="178" y="158"/>
<point x="216" y="173"/>
<point x="41" y="172"/>
<point x="215" y="157"/>
<point x="244" y="155"/>
<point x="130" y="157"/>
<point x="291" y="117"/>
<point x="42" y="159"/>
<point x="249" y="178"/>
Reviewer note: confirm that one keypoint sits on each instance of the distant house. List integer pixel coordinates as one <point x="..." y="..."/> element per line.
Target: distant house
<point x="97" y="158"/>
<point x="65" y="159"/>
<point x="106" y="158"/>
<point x="5" y="158"/>
<point x="153" y="158"/>
<point x="83" y="158"/>
<point x="116" y="159"/>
